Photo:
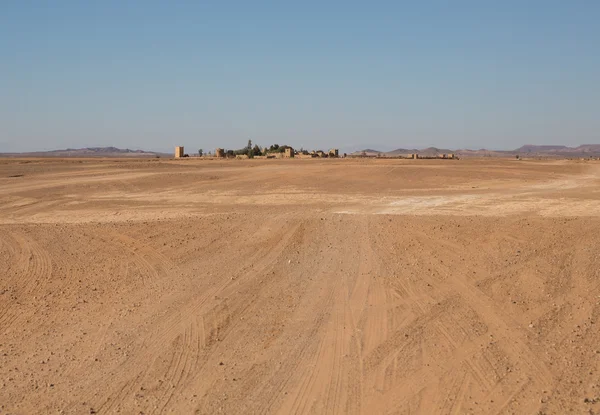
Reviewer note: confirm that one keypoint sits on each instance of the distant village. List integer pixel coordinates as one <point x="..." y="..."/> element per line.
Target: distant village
<point x="256" y="152"/>
<point x="276" y="151"/>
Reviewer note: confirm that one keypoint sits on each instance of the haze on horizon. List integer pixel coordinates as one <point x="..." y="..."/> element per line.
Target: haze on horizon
<point x="382" y="75"/>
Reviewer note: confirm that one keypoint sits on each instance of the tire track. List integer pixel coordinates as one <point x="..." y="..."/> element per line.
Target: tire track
<point x="174" y="323"/>
<point x="504" y="329"/>
<point x="306" y="384"/>
<point x="333" y="383"/>
<point x="445" y="324"/>
<point x="33" y="270"/>
<point x="309" y="379"/>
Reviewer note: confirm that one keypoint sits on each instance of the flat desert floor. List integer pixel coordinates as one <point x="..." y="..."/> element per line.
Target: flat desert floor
<point x="299" y="286"/>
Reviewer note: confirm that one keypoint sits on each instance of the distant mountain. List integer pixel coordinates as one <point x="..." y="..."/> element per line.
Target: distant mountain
<point x="529" y="148"/>
<point x="591" y="148"/>
<point x="584" y="150"/>
<point x="88" y="152"/>
<point x="434" y="150"/>
<point x="368" y="152"/>
<point x="430" y="151"/>
<point x="400" y="151"/>
<point x="564" y="151"/>
<point x="482" y="152"/>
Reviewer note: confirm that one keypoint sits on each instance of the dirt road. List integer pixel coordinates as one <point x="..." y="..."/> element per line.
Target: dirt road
<point x="299" y="286"/>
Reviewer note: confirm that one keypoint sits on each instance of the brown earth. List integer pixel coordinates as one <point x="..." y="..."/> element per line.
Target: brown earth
<point x="299" y="286"/>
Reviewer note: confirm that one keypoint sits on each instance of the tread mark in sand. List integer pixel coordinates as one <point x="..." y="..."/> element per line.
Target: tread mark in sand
<point x="170" y="328"/>
<point x="36" y="268"/>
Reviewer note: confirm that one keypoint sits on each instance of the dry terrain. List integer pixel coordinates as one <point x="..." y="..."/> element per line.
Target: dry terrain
<point x="299" y="286"/>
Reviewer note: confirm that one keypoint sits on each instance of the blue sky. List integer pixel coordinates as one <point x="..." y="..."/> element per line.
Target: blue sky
<point x="387" y="74"/>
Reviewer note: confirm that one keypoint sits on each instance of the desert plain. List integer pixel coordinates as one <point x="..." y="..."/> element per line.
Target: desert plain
<point x="156" y="286"/>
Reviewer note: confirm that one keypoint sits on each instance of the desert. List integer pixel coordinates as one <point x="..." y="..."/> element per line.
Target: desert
<point x="330" y="286"/>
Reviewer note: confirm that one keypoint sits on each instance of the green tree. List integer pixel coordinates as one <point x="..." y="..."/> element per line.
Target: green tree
<point x="200" y="152"/>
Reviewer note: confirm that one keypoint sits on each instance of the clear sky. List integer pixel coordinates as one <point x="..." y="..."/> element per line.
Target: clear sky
<point x="384" y="74"/>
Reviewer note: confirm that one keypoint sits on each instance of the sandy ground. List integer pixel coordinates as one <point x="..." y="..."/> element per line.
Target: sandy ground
<point x="299" y="286"/>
